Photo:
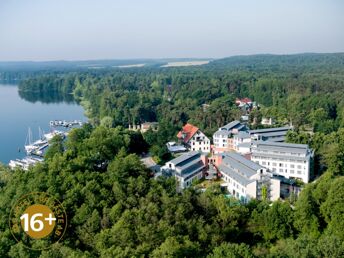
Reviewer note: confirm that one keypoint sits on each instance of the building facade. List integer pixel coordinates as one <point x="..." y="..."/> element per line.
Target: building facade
<point x="223" y="138"/>
<point x="186" y="168"/>
<point x="246" y="179"/>
<point x="285" y="159"/>
<point x="194" y="139"/>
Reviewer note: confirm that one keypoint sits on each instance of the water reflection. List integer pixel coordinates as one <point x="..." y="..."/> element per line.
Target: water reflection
<point x="46" y="97"/>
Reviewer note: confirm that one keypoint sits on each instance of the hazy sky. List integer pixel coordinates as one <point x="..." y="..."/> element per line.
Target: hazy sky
<point x="117" y="29"/>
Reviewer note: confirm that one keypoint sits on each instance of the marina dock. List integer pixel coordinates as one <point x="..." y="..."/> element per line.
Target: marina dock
<point x="35" y="149"/>
<point x="64" y="123"/>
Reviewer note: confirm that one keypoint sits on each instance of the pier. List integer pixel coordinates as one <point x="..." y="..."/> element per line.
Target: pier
<point x="35" y="149"/>
<point x="64" y="123"/>
<point x="24" y="163"/>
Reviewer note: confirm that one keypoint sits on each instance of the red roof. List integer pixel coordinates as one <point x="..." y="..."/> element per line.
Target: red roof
<point x="187" y="132"/>
<point x="244" y="100"/>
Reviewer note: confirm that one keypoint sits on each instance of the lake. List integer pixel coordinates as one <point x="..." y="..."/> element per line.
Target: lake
<point x="18" y="112"/>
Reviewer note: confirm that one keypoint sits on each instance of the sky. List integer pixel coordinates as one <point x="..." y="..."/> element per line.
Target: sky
<point x="44" y="30"/>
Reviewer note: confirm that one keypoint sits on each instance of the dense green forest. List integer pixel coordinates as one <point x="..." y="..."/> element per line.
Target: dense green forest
<point x="305" y="90"/>
<point x="116" y="209"/>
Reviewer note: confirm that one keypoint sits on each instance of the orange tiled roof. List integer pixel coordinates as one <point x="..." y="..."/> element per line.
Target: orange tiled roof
<point x="244" y="100"/>
<point x="189" y="130"/>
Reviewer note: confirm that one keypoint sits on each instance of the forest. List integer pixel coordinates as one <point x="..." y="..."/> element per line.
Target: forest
<point x="303" y="90"/>
<point x="119" y="210"/>
<point x="115" y="207"/>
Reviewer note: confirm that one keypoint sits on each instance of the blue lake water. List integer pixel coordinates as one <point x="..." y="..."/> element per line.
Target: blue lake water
<point x="18" y="112"/>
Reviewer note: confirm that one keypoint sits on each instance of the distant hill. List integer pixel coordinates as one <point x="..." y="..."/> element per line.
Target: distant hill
<point x="332" y="62"/>
<point x="30" y="66"/>
<point x="281" y="63"/>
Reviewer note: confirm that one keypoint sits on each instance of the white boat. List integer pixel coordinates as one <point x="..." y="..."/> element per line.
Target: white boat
<point x="49" y="136"/>
<point x="16" y="163"/>
<point x="30" y="146"/>
<point x="24" y="163"/>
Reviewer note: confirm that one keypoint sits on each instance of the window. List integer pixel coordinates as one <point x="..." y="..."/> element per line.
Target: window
<point x="292" y="165"/>
<point x="299" y="172"/>
<point x="292" y="171"/>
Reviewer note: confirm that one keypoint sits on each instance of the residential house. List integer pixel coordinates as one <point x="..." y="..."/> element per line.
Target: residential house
<point x="194" y="139"/>
<point x="267" y="121"/>
<point x="144" y="127"/>
<point x="243" y="102"/>
<point x="149" y="125"/>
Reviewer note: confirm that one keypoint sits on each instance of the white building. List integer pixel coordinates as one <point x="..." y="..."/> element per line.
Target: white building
<point x="244" y="148"/>
<point x="194" y="139"/>
<point x="240" y="139"/>
<point x="222" y="138"/>
<point x="285" y="159"/>
<point x="267" y="121"/>
<point x="247" y="180"/>
<point x="186" y="168"/>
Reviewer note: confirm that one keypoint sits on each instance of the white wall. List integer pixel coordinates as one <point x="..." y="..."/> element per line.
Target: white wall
<point x="286" y="168"/>
<point x="203" y="144"/>
<point x="275" y="189"/>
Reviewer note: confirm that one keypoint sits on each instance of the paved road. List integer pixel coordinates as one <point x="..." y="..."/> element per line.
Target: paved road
<point x="150" y="163"/>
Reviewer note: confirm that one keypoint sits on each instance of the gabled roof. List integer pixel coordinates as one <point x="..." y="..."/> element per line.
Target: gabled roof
<point x="187" y="132"/>
<point x="239" y="168"/>
<point x="244" y="100"/>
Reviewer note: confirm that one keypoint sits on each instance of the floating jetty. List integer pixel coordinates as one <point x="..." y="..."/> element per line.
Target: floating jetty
<point x="24" y="163"/>
<point x="35" y="149"/>
<point x="39" y="150"/>
<point x="64" y="123"/>
<point x="53" y="133"/>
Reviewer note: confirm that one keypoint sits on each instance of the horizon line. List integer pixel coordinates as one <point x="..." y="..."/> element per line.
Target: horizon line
<point x="163" y="58"/>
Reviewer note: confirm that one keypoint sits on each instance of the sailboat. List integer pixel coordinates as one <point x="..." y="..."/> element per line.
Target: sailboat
<point x="31" y="147"/>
